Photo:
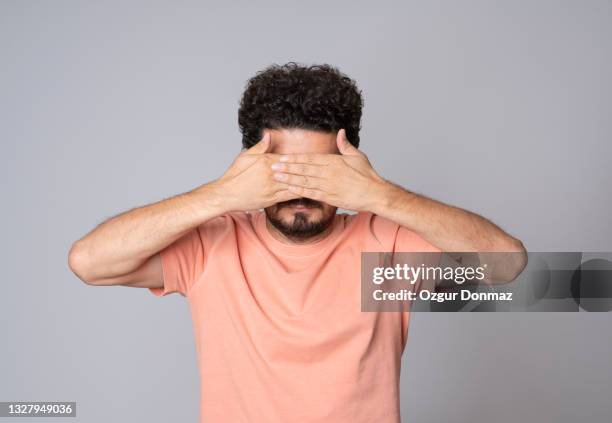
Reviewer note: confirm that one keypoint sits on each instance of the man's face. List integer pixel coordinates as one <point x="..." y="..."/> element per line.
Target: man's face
<point x="301" y="218"/>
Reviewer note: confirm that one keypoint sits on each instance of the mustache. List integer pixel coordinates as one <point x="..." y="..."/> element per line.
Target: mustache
<point x="302" y="201"/>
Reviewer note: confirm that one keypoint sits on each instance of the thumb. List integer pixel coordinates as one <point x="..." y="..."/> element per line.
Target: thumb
<point x="262" y="146"/>
<point x="344" y="146"/>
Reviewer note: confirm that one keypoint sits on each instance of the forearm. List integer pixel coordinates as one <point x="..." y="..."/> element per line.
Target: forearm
<point x="121" y="244"/>
<point x="454" y="230"/>
<point x="448" y="228"/>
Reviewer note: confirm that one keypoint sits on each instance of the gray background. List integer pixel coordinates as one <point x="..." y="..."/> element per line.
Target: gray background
<point x="499" y="107"/>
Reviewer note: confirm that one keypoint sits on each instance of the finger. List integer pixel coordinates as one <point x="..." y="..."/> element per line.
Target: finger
<point x="311" y="193"/>
<point x="316" y="159"/>
<point x="300" y="169"/>
<point x="285" y="195"/>
<point x="262" y="146"/>
<point x="298" y="180"/>
<point x="345" y="147"/>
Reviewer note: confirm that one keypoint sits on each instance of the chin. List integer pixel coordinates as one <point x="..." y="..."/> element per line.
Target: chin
<point x="301" y="219"/>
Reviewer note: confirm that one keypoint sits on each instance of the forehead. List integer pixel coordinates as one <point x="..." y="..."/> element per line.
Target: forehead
<point x="299" y="141"/>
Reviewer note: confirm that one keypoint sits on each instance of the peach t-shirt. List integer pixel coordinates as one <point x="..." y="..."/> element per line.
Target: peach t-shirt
<point x="279" y="331"/>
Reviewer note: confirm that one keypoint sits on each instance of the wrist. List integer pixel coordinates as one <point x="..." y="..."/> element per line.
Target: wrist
<point x="382" y="200"/>
<point x="210" y="200"/>
<point x="390" y="199"/>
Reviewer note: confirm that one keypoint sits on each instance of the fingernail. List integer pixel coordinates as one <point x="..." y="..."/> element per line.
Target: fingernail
<point x="279" y="176"/>
<point x="277" y="166"/>
<point x="284" y="158"/>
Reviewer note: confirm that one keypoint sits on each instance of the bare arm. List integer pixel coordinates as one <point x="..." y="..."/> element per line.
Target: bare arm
<point x="453" y="229"/>
<point x="124" y="250"/>
<point x="348" y="180"/>
<point x="449" y="228"/>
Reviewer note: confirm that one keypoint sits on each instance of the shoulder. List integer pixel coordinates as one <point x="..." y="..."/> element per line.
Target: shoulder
<point x="371" y="221"/>
<point x="378" y="232"/>
<point x="228" y="223"/>
<point x="235" y="218"/>
<point x="387" y="234"/>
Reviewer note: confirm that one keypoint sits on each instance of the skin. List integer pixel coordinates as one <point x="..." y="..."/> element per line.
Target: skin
<point x="287" y="164"/>
<point x="282" y="143"/>
<point x="349" y="181"/>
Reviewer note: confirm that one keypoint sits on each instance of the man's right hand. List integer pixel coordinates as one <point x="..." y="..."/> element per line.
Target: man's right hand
<point x="249" y="184"/>
<point x="124" y="250"/>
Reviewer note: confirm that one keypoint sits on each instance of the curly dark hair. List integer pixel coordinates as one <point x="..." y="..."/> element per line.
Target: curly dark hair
<point x="317" y="97"/>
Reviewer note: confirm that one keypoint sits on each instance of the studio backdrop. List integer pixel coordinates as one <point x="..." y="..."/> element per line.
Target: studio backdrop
<point x="499" y="107"/>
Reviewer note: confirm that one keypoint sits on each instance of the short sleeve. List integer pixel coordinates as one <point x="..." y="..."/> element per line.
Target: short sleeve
<point x="182" y="264"/>
<point x="394" y="238"/>
<point x="399" y="239"/>
<point x="409" y="241"/>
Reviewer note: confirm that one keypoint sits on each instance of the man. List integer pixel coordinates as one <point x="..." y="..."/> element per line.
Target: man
<point x="275" y="294"/>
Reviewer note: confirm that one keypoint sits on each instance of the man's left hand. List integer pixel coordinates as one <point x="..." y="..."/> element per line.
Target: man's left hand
<point x="346" y="180"/>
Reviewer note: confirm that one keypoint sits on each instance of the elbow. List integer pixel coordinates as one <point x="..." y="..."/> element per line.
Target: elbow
<point x="519" y="258"/>
<point x="80" y="263"/>
<point x="508" y="257"/>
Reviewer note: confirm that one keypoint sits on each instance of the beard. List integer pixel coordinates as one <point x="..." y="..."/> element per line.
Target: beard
<point x="301" y="226"/>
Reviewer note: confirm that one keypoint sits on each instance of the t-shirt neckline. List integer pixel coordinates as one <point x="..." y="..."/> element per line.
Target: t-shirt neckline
<point x="296" y="249"/>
